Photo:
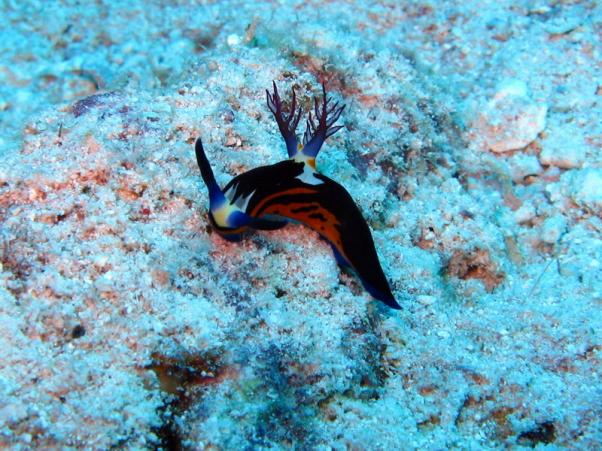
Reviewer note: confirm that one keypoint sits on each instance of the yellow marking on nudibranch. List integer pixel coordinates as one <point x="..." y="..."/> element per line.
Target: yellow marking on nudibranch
<point x="309" y="169"/>
<point x="300" y="157"/>
<point x="222" y="214"/>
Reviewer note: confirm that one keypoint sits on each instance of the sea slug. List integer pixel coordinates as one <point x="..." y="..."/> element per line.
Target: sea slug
<point x="267" y="197"/>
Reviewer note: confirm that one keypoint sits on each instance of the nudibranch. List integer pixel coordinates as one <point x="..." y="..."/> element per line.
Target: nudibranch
<point x="268" y="197"/>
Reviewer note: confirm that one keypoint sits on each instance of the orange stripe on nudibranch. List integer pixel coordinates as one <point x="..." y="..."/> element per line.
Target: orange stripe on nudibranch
<point x="288" y="192"/>
<point x="314" y="216"/>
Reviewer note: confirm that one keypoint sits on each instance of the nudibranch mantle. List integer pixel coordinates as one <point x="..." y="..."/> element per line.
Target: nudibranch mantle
<point x="269" y="197"/>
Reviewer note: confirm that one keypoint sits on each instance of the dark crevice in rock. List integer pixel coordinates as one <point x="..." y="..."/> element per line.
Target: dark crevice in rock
<point x="183" y="379"/>
<point x="542" y="433"/>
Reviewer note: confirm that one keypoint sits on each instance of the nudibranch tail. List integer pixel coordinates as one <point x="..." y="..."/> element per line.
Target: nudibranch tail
<point x="366" y="265"/>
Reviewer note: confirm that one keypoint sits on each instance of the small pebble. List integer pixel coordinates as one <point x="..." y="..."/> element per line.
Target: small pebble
<point x="584" y="186"/>
<point x="511" y="119"/>
<point x="523" y="165"/>
<point x="78" y="331"/>
<point x="426" y="299"/>
<point x="233" y="40"/>
<point x="564" y="151"/>
<point x="525" y="213"/>
<point x="552" y="229"/>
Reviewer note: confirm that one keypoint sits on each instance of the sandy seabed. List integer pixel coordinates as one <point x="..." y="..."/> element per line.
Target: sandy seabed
<point x="471" y="143"/>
